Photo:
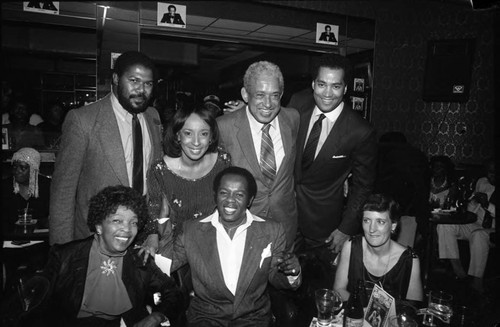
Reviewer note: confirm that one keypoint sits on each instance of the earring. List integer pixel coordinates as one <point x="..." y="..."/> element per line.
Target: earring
<point x="393" y="231"/>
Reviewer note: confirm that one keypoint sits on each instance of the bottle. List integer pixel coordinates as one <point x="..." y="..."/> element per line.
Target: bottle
<point x="353" y="314"/>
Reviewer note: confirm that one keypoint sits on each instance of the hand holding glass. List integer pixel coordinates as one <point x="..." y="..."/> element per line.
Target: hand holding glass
<point x="327" y="302"/>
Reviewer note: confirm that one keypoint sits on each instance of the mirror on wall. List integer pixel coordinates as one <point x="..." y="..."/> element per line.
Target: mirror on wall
<point x="209" y="54"/>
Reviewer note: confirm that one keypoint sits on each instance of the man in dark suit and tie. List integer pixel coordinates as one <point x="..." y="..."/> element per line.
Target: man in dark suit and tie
<point x="172" y="17"/>
<point x="261" y="138"/>
<point x="327" y="35"/>
<point x="109" y="142"/>
<point x="233" y="255"/>
<point x="334" y="144"/>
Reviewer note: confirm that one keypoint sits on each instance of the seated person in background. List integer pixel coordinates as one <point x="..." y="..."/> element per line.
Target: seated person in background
<point x="212" y="102"/>
<point x="7" y="98"/>
<point x="100" y="280"/>
<point x="21" y="132"/>
<point x="443" y="186"/>
<point x="375" y="258"/>
<point x="26" y="189"/>
<point x="52" y="125"/>
<point x="477" y="233"/>
<point x="233" y="256"/>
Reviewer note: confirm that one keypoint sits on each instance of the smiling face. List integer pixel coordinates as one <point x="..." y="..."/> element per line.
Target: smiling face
<point x="329" y="88"/>
<point x="263" y="98"/>
<point x="194" y="138"/>
<point x="134" y="88"/>
<point x="232" y="199"/>
<point x="118" y="230"/>
<point x="377" y="227"/>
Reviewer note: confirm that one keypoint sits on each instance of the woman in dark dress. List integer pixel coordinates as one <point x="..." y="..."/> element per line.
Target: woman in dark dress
<point x="375" y="258"/>
<point x="180" y="184"/>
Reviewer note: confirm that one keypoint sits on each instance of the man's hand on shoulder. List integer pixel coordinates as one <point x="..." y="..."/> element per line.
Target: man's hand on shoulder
<point x="337" y="239"/>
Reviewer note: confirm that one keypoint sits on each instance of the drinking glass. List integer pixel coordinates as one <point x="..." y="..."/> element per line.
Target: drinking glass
<point x="440" y="306"/>
<point x="402" y="320"/>
<point x="327" y="302"/>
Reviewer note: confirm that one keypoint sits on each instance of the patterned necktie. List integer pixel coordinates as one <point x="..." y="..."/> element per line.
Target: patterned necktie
<point x="137" y="169"/>
<point x="312" y="144"/>
<point x="267" y="160"/>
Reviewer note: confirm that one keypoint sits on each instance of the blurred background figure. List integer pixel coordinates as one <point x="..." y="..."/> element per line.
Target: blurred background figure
<point x="21" y="132"/>
<point x="212" y="102"/>
<point x="26" y="188"/>
<point x="443" y="187"/>
<point x="52" y="125"/>
<point x="482" y="203"/>
<point x="8" y="96"/>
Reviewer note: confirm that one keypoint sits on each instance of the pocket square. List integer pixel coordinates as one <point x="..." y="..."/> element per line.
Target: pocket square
<point x="266" y="253"/>
<point x="338" y="157"/>
<point x="161" y="221"/>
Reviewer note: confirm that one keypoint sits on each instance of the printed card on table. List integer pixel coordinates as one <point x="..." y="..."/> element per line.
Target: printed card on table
<point x="380" y="307"/>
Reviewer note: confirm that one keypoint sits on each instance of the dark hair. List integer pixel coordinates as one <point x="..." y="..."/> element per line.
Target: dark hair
<point x="233" y="170"/>
<point x="107" y="201"/>
<point x="381" y="203"/>
<point x="332" y="61"/>
<point x="328" y="26"/>
<point x="171" y="144"/>
<point x="131" y="58"/>
<point x="172" y="6"/>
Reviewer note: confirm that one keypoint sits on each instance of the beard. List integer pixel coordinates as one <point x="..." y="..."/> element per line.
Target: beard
<point x="126" y="100"/>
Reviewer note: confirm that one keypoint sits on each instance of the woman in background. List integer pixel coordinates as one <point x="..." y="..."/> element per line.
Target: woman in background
<point x="375" y="258"/>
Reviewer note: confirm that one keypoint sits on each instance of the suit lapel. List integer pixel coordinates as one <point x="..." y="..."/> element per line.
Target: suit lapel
<point x="110" y="139"/>
<point x="286" y="138"/>
<point x="154" y="139"/>
<point x="244" y="137"/>
<point x="207" y="246"/>
<point x="255" y="242"/>
<point x="305" y="117"/>
<point x="334" y="139"/>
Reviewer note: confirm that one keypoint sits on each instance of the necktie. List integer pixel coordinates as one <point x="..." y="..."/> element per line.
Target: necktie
<point x="312" y="143"/>
<point x="137" y="170"/>
<point x="267" y="160"/>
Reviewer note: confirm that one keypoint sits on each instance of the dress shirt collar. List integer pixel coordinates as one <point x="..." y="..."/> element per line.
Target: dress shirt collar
<point x="331" y="116"/>
<point x="214" y="219"/>
<point x="120" y="112"/>
<point x="255" y="126"/>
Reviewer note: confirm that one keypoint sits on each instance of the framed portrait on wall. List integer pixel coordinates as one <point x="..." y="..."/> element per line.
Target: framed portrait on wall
<point x="5" y="138"/>
<point x="327" y="34"/>
<point x="44" y="7"/>
<point x="171" y="15"/>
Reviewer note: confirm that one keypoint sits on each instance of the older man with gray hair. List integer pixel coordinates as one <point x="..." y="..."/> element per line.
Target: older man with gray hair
<point x="261" y="138"/>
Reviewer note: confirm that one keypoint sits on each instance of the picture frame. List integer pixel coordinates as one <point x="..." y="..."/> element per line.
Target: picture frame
<point x="327" y="34"/>
<point x="171" y="15"/>
<point x="5" y="138"/>
<point x="44" y="7"/>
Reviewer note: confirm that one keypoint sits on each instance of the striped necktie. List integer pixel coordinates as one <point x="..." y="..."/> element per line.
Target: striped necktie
<point x="267" y="160"/>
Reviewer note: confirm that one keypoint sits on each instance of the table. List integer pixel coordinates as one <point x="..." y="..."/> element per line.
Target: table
<point x="25" y="258"/>
<point x="442" y="217"/>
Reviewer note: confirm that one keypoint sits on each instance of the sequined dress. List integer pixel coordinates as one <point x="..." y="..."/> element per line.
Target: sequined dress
<point x="188" y="198"/>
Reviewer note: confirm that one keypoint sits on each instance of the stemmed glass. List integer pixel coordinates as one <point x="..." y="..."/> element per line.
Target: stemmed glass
<point x="439" y="306"/>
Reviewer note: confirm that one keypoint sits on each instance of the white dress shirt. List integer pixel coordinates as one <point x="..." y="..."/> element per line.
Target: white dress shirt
<point x="124" y="120"/>
<point x="274" y="133"/>
<point x="326" y="124"/>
